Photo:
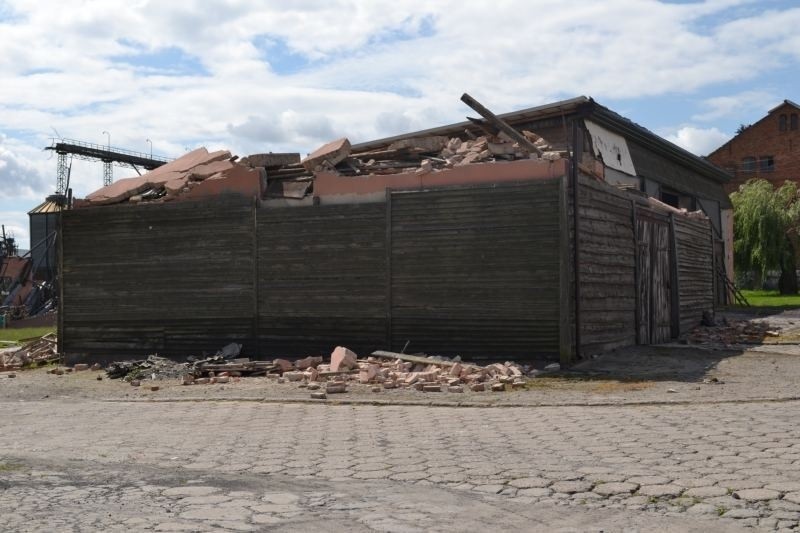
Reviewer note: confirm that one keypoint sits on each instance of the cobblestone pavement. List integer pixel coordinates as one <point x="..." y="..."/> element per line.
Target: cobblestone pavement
<point x="250" y="466"/>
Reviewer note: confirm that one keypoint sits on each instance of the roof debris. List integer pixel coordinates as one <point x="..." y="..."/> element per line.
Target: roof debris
<point x="285" y="175"/>
<point x="196" y="174"/>
<point x="381" y="370"/>
<point x="37" y="352"/>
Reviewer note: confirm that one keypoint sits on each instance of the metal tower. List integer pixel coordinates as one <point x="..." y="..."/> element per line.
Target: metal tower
<point x="96" y="152"/>
<point x="62" y="173"/>
<point x="108" y="173"/>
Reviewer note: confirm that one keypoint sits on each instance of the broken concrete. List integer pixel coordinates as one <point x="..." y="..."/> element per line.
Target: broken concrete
<point x="184" y="178"/>
<point x="328" y="155"/>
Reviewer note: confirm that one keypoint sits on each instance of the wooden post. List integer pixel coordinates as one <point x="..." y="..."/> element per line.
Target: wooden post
<point x="675" y="295"/>
<point x="714" y="276"/>
<point x="565" y="348"/>
<point x="388" y="244"/>
<point x="255" y="278"/>
<point x="577" y="151"/>
<point x="60" y="334"/>
<point x="636" y="274"/>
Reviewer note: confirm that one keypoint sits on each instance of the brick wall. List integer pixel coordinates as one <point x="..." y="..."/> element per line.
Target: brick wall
<point x="764" y="138"/>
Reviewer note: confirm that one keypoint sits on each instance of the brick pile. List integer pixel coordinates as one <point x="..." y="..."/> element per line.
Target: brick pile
<point x="379" y="371"/>
<point x="421" y="155"/>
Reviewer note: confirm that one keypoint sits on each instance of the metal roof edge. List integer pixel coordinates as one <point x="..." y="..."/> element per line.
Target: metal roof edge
<point x="45" y="207"/>
<point x="655" y="142"/>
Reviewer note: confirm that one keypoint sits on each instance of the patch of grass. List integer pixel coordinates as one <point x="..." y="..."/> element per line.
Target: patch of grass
<point x="19" y="334"/>
<point x="771" y="299"/>
<point x="9" y="467"/>
<point x="721" y="510"/>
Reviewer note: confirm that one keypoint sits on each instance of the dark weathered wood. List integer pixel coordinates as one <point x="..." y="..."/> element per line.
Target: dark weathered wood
<point x="60" y="331"/>
<point x="566" y="349"/>
<point x="644" y="288"/>
<point x="475" y="270"/>
<point x="175" y="279"/>
<point x="498" y="123"/>
<point x="661" y="328"/>
<point x="637" y="274"/>
<point x="607" y="268"/>
<point x="675" y="316"/>
<point x="322" y="273"/>
<point x="256" y="283"/>
<point x="388" y="223"/>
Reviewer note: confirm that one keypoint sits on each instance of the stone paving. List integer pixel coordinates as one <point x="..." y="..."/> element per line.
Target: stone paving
<point x="725" y="465"/>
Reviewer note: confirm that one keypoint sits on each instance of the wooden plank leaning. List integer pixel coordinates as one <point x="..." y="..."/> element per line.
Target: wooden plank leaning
<point x="501" y="125"/>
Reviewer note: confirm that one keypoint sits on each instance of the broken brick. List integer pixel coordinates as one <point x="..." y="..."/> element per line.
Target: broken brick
<point x="343" y="359"/>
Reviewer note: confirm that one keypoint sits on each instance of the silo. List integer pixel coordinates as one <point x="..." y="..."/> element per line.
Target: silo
<point x="43" y="225"/>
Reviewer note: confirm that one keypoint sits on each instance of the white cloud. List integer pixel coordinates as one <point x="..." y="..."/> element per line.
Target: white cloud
<point x="366" y="69"/>
<point x="699" y="141"/>
<point x="18" y="177"/>
<point x="737" y="105"/>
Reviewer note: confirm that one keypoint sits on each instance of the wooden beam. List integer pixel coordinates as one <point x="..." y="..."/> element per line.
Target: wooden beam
<point x="501" y="125"/>
<point x="411" y="358"/>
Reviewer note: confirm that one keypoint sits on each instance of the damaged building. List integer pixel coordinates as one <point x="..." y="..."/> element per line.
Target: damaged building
<point x="554" y="232"/>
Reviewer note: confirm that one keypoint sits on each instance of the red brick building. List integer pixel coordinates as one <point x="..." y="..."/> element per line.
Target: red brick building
<point x="768" y="149"/>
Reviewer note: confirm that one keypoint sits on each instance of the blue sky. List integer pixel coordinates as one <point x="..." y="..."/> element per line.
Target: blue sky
<point x="254" y="76"/>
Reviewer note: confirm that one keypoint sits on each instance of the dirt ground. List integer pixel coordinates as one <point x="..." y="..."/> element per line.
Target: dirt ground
<point x="673" y="373"/>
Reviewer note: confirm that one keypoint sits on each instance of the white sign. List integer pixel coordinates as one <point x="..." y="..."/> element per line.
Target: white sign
<point x="612" y="148"/>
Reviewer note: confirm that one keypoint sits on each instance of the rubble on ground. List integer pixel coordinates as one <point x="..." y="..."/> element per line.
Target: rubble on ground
<point x="379" y="371"/>
<point x="730" y="332"/>
<point x="154" y="367"/>
<point x="37" y="352"/>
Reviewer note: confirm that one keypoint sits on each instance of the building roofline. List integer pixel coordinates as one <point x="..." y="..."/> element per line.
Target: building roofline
<point x="787" y="101"/>
<point x="630" y="130"/>
<point x="555" y="108"/>
<point x="582" y="106"/>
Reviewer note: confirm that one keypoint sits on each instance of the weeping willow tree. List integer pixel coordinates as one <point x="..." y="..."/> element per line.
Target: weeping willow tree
<point x="765" y="231"/>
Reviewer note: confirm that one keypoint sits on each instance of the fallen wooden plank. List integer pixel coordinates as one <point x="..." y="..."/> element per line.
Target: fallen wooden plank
<point x="412" y="358"/>
<point x="501" y="125"/>
<point x="338" y="372"/>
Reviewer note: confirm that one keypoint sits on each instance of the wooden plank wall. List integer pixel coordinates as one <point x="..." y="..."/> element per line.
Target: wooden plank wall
<point x="475" y="271"/>
<point x="322" y="278"/>
<point x="695" y="270"/>
<point x="471" y="271"/>
<point x="607" y="267"/>
<point x="143" y="279"/>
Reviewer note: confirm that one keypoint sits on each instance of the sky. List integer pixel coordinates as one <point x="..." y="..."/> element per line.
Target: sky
<point x="256" y="76"/>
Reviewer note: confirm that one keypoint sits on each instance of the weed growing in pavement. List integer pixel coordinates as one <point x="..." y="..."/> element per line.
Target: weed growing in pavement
<point x="9" y="467"/>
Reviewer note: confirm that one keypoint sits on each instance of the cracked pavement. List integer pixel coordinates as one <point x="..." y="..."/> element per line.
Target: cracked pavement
<point x="247" y="466"/>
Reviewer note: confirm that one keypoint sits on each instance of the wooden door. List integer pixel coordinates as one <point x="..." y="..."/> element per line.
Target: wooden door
<point x="654" y="290"/>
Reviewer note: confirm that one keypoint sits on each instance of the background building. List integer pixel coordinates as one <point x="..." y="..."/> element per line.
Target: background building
<point x="768" y="149"/>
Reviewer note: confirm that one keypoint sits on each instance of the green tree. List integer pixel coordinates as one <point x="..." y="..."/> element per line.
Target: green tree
<point x="765" y="228"/>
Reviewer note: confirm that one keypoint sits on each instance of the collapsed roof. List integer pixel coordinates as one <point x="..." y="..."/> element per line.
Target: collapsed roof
<point x="538" y="133"/>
